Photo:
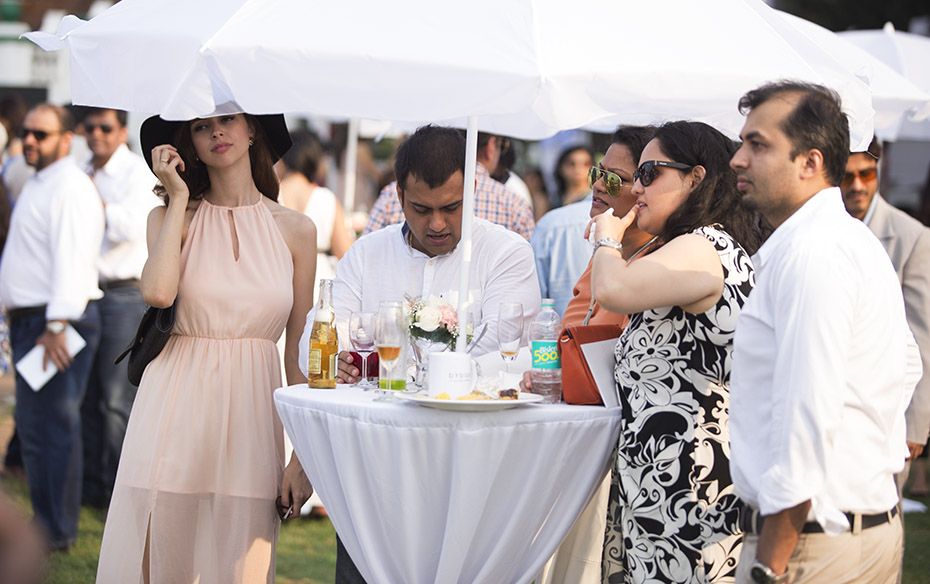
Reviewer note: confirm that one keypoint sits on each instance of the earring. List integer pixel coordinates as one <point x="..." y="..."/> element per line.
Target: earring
<point x="251" y="142"/>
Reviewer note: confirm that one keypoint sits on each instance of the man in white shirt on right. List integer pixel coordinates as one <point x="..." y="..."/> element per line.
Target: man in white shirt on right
<point x="823" y="363"/>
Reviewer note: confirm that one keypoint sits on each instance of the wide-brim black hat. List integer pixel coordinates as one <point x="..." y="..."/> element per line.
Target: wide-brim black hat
<point x="156" y="131"/>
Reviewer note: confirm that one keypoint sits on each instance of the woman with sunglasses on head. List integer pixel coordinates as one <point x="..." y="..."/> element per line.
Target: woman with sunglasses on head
<point x="579" y="557"/>
<point x="201" y="482"/>
<point x="678" y="512"/>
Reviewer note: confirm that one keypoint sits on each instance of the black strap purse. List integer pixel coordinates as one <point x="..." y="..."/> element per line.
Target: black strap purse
<point x="151" y="337"/>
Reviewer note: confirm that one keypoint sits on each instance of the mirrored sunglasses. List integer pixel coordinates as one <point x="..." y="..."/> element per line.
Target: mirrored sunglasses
<point x="865" y="175"/>
<point x="649" y="170"/>
<point x="612" y="181"/>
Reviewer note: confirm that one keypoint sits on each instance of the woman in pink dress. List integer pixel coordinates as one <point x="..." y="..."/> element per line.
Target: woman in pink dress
<point x="202" y="463"/>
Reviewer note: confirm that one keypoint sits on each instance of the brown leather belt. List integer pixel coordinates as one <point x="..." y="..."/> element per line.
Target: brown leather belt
<point x="111" y="284"/>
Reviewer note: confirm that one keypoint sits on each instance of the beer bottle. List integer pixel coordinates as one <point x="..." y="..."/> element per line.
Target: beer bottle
<point x="324" y="346"/>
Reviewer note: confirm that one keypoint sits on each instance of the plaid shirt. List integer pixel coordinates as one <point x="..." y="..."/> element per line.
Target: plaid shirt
<point x="493" y="201"/>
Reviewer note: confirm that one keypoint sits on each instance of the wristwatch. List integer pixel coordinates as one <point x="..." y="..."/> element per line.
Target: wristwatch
<point x="608" y="242"/>
<point x="56" y="327"/>
<point x="762" y="574"/>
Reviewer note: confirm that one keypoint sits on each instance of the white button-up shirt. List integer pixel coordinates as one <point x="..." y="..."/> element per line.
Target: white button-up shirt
<point x="823" y="368"/>
<point x="51" y="252"/>
<point x="382" y="266"/>
<point x="125" y="184"/>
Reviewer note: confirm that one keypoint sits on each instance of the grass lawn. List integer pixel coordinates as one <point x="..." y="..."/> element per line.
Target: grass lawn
<point x="307" y="547"/>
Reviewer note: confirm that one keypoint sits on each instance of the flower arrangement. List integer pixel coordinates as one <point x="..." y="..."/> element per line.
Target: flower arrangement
<point x="433" y="319"/>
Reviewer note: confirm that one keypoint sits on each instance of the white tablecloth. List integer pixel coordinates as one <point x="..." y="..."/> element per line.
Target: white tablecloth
<point x="420" y="495"/>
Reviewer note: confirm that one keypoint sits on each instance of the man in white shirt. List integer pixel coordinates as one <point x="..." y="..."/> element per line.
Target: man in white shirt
<point x="823" y="361"/>
<point x="48" y="280"/>
<point x="124" y="184"/>
<point x="421" y="257"/>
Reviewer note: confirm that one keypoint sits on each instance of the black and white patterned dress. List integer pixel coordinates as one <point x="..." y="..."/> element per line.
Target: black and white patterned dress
<point x="674" y="513"/>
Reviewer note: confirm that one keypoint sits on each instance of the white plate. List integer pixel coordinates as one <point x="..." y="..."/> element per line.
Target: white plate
<point x="459" y="405"/>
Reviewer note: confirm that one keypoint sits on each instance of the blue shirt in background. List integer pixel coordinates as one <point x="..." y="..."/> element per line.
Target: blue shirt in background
<point x="561" y="251"/>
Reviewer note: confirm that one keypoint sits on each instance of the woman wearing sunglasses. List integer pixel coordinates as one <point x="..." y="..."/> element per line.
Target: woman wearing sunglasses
<point x="678" y="513"/>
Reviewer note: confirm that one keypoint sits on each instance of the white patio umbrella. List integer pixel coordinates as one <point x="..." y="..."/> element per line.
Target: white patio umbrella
<point x="895" y="97"/>
<point x="524" y="68"/>
<point x="906" y="53"/>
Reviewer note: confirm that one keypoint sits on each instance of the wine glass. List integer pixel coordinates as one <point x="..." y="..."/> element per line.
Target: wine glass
<point x="509" y="331"/>
<point x="390" y="337"/>
<point x="362" y="335"/>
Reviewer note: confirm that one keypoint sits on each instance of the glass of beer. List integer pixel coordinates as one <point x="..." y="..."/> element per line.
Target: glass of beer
<point x="509" y="331"/>
<point x="390" y="338"/>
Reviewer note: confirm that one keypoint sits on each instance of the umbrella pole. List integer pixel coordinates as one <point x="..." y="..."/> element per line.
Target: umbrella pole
<point x="350" y="166"/>
<point x="468" y="212"/>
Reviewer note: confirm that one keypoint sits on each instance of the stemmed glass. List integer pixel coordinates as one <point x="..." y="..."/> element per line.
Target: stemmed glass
<point x="509" y="331"/>
<point x="390" y="337"/>
<point x="362" y="335"/>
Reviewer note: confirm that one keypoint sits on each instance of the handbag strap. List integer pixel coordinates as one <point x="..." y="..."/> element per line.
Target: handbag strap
<point x="593" y="303"/>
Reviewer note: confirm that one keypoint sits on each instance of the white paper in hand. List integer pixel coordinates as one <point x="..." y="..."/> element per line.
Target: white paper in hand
<point x="30" y="366"/>
<point x="600" y="358"/>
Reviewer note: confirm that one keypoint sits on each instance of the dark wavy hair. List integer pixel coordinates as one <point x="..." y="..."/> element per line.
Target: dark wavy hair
<point x="715" y="199"/>
<point x="195" y="172"/>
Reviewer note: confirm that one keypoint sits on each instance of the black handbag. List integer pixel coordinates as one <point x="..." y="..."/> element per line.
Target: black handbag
<point x="151" y="337"/>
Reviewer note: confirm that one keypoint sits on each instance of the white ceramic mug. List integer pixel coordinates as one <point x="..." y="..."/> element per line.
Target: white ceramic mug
<point x="451" y="373"/>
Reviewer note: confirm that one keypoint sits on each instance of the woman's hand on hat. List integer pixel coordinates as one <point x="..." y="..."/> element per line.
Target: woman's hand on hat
<point x="167" y="164"/>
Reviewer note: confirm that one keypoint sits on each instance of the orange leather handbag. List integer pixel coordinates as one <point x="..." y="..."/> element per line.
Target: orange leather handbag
<point x="578" y="385"/>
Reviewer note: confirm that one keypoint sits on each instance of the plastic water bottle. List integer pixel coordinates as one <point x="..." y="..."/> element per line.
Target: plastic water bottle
<point x="544" y="348"/>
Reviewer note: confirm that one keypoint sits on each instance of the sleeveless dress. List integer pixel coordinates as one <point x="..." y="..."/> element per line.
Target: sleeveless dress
<point x="674" y="515"/>
<point x="202" y="460"/>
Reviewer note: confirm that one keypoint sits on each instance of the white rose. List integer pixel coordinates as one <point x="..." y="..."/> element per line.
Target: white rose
<point x="428" y="318"/>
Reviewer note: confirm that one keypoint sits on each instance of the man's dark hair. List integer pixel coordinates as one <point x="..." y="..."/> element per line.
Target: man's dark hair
<point x="817" y="122"/>
<point x="715" y="200"/>
<point x="305" y="155"/>
<point x="635" y="138"/>
<point x="874" y="150"/>
<point x="432" y="154"/>
<point x="121" y="116"/>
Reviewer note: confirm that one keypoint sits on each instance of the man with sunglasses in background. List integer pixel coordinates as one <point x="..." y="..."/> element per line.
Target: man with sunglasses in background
<point x="124" y="184"/>
<point x="907" y="242"/>
<point x="48" y="283"/>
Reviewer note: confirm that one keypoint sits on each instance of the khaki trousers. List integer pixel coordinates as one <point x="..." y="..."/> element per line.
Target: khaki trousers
<point x="578" y="558"/>
<point x="872" y="556"/>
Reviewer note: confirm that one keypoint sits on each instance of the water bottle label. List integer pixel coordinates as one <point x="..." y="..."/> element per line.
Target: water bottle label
<point x="546" y="355"/>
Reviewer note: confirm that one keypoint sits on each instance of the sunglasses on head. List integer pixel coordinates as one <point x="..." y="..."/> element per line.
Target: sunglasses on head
<point x="865" y="175"/>
<point x="612" y="181"/>
<point x="39" y="134"/>
<point x="105" y="128"/>
<point x="649" y="170"/>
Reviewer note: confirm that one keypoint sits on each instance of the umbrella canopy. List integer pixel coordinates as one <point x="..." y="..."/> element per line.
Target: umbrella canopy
<point x="525" y="68"/>
<point x="906" y="53"/>
<point x="894" y="97"/>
